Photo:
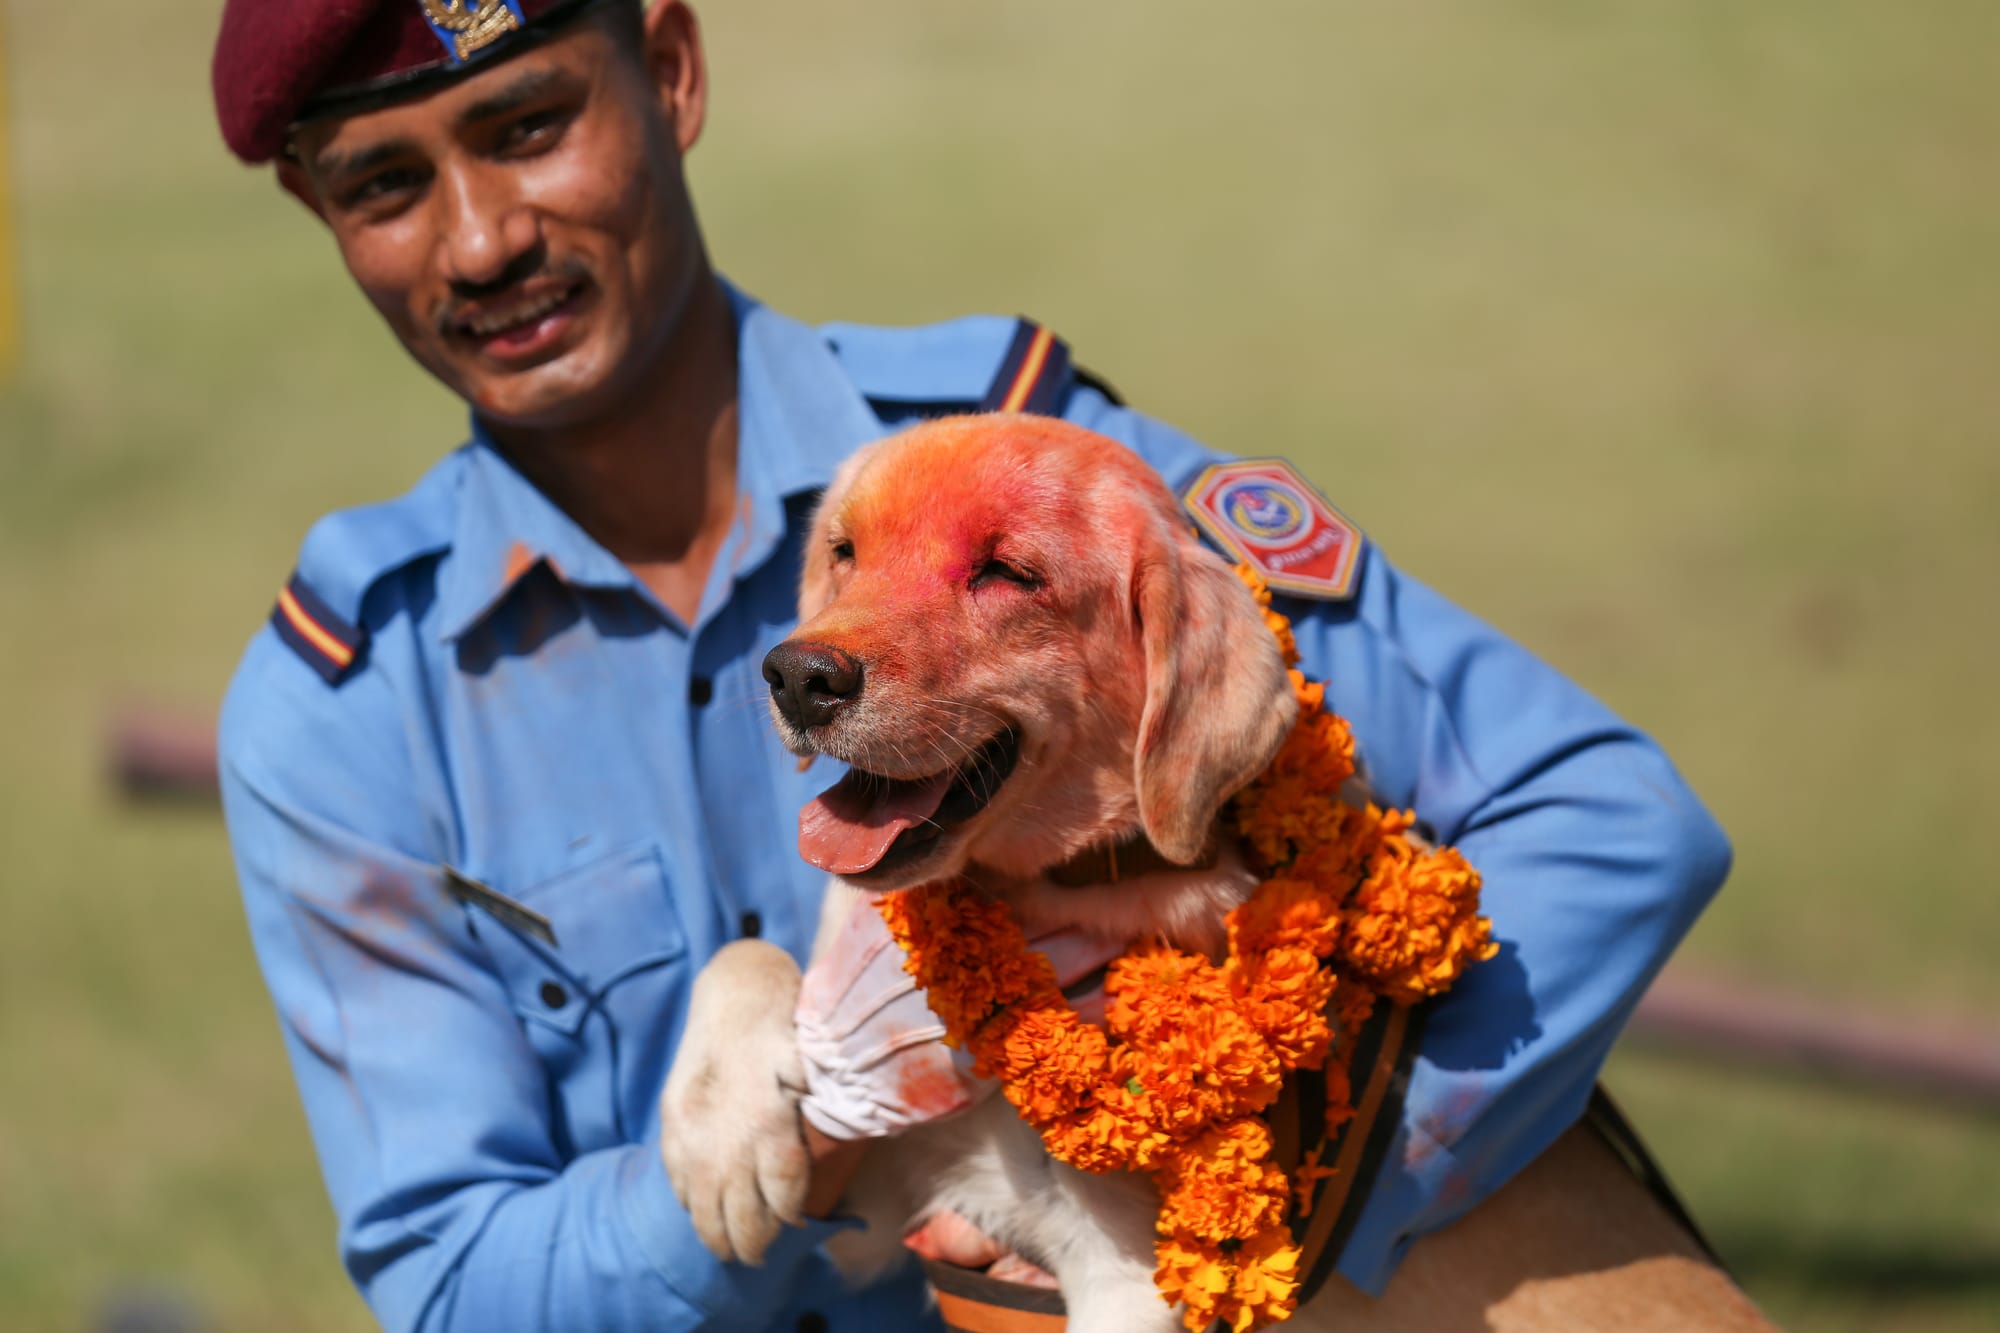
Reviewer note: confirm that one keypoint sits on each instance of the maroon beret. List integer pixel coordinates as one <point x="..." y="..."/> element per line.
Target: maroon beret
<point x="279" y="62"/>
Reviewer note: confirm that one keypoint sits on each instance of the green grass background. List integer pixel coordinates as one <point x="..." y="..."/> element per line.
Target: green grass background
<point x="1662" y="334"/>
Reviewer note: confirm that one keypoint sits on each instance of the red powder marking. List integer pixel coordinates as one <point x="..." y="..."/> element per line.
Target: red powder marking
<point x="930" y="1087"/>
<point x="387" y="899"/>
<point x="1445" y="1124"/>
<point x="925" y="510"/>
<point x="519" y="561"/>
<point x="390" y="927"/>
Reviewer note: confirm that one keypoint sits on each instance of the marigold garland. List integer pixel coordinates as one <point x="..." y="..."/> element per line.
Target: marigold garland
<point x="1351" y="910"/>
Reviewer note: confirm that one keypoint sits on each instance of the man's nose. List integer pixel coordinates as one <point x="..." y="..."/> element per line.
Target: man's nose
<point x="810" y="681"/>
<point x="486" y="228"/>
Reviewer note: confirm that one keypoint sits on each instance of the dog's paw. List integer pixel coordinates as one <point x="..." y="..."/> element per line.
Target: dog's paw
<point x="729" y="1123"/>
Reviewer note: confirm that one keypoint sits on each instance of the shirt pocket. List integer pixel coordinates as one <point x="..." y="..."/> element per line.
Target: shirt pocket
<point x="612" y="918"/>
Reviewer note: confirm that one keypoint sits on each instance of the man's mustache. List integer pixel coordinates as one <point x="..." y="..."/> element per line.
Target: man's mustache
<point x="531" y="266"/>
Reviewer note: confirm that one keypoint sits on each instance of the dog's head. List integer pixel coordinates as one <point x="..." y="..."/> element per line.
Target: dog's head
<point x="1010" y="633"/>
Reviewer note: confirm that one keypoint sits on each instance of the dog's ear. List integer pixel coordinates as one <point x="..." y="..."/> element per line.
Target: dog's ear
<point x="1218" y="701"/>
<point x="816" y="577"/>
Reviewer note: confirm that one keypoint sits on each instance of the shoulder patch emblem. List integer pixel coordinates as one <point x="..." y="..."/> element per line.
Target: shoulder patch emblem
<point x="1033" y="374"/>
<point x="1261" y="511"/>
<point x="309" y="628"/>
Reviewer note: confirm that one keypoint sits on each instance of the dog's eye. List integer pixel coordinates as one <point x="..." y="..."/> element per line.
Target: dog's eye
<point x="999" y="571"/>
<point x="843" y="551"/>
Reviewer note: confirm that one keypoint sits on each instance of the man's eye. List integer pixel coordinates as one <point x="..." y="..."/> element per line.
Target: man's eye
<point x="534" y="133"/>
<point x="384" y="185"/>
<point x="1000" y="571"/>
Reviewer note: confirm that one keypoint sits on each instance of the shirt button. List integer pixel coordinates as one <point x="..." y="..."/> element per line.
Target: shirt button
<point x="553" y="995"/>
<point x="812" y="1321"/>
<point x="700" y="690"/>
<point x="753" y="925"/>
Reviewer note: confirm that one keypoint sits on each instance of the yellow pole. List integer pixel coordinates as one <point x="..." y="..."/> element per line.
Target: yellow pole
<point x="10" y="319"/>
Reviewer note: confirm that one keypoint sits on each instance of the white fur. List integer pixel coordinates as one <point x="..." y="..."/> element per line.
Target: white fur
<point x="730" y="1129"/>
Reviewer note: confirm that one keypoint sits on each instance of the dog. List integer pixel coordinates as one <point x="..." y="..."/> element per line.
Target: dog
<point x="1010" y="633"/>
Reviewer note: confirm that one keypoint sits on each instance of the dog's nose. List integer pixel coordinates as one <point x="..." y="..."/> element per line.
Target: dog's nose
<point x="809" y="681"/>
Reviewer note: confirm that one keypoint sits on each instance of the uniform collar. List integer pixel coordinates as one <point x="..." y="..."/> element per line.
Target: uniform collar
<point x="798" y="415"/>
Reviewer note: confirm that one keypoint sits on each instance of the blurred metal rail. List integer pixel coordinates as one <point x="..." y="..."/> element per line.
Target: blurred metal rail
<point x="166" y="757"/>
<point x="160" y="756"/>
<point x="1778" y="1031"/>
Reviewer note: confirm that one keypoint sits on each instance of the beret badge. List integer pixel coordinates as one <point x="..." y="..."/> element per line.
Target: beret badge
<point x="467" y="26"/>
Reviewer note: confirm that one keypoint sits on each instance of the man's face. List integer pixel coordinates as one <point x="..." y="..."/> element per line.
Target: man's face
<point x="527" y="231"/>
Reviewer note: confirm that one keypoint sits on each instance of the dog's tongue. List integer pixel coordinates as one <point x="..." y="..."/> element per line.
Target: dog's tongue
<point x="848" y="827"/>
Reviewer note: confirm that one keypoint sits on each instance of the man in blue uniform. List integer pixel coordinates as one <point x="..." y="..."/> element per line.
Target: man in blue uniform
<point x="498" y="773"/>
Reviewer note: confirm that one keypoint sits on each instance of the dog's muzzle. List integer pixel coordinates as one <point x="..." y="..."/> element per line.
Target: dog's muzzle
<point x="810" y="682"/>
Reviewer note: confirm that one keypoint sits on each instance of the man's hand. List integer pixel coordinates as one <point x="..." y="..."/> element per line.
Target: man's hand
<point x="875" y="1064"/>
<point x="948" y="1238"/>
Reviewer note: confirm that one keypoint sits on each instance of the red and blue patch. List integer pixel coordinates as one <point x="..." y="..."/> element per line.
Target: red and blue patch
<point x="1262" y="512"/>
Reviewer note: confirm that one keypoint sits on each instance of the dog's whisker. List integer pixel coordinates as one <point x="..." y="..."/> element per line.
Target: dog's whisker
<point x="962" y="707"/>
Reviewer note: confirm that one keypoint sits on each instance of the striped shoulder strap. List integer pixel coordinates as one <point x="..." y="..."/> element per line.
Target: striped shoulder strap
<point x="346" y="553"/>
<point x="330" y="645"/>
<point x="1033" y="374"/>
<point x="1347" y="1155"/>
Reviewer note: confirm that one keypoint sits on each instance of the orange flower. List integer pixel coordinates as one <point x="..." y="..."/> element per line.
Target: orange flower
<point x="1220" y="1185"/>
<point x="1049" y="1061"/>
<point x="1112" y="1132"/>
<point x="1296" y="804"/>
<point x="1305" y="1183"/>
<point x="966" y="952"/>
<point x="1284" y="913"/>
<point x="1267" y="1280"/>
<point x="1247" y="1285"/>
<point x="1281" y="628"/>
<point x="1191" y="1051"/>
<point x="1194" y="1272"/>
<point x="1153" y="989"/>
<point x="1413" y="925"/>
<point x="1285" y="993"/>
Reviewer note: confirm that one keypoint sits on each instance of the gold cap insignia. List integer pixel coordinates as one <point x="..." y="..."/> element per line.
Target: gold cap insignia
<point x="468" y="26"/>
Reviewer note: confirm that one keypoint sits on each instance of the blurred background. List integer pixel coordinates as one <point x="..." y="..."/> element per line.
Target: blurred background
<point x="1661" y="334"/>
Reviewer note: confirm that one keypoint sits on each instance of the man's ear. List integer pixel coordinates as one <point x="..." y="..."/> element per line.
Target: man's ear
<point x="293" y="177"/>
<point x="1218" y="701"/>
<point x="679" y="69"/>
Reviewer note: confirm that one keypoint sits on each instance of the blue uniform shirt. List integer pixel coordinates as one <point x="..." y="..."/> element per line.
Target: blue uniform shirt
<point x="462" y="677"/>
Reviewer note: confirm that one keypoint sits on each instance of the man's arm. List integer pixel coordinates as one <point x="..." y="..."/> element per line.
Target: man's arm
<point x="1596" y="859"/>
<point x="430" y="1110"/>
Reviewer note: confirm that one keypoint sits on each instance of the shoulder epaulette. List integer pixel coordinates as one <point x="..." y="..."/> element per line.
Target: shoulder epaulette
<point x="982" y="363"/>
<point x="1034" y="374"/>
<point x="329" y="643"/>
<point x="318" y="612"/>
